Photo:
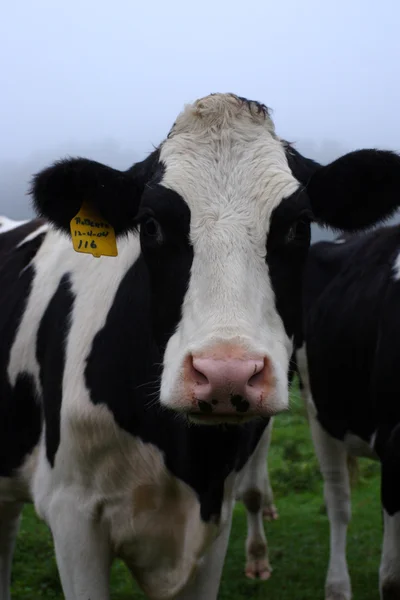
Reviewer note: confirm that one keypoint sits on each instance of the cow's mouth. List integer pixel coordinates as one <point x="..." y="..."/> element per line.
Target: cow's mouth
<point x="199" y="418"/>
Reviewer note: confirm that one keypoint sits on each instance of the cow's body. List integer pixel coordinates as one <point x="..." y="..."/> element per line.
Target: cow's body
<point x="136" y="389"/>
<point x="349" y="373"/>
<point x="154" y="489"/>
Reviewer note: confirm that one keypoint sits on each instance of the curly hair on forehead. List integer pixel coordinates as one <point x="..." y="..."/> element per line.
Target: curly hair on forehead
<point x="221" y="110"/>
<point x="251" y="104"/>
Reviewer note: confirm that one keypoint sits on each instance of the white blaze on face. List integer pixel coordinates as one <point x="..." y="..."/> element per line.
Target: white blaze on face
<point x="223" y="157"/>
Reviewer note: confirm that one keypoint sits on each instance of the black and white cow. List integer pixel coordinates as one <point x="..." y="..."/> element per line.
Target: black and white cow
<point x="135" y="389"/>
<point x="349" y="373"/>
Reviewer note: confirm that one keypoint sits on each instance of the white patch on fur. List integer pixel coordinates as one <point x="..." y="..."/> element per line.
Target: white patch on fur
<point x="396" y="268"/>
<point x="31" y="236"/>
<point x="7" y="224"/>
<point x="229" y="166"/>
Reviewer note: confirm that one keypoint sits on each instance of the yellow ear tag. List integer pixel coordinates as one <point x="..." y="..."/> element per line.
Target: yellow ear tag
<point x="91" y="234"/>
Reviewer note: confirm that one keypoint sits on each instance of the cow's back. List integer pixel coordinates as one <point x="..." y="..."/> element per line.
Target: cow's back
<point x="350" y="295"/>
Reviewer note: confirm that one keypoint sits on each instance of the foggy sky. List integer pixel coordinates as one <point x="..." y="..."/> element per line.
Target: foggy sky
<point x="107" y="79"/>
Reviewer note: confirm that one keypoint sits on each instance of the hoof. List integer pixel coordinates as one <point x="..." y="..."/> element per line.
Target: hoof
<point x="258" y="569"/>
<point x="270" y="513"/>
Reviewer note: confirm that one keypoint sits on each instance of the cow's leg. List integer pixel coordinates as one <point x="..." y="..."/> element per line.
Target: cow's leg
<point x="206" y="582"/>
<point x="82" y="549"/>
<point x="389" y="573"/>
<point x="332" y="457"/>
<point x="256" y="494"/>
<point x="10" y="513"/>
<point x="270" y="512"/>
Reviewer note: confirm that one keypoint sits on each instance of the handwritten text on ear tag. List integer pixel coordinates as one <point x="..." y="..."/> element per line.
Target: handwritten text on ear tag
<point x="91" y="234"/>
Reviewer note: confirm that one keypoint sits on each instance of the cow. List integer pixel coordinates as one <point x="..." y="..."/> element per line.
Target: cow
<point x="348" y="368"/>
<point x="137" y="383"/>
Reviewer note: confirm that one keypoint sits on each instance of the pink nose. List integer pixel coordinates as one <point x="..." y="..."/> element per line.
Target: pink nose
<point x="229" y="386"/>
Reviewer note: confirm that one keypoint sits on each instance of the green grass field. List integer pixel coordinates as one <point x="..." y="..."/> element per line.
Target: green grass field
<point x="298" y="541"/>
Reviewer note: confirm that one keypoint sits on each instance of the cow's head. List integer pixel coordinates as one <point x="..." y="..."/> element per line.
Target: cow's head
<point x="223" y="210"/>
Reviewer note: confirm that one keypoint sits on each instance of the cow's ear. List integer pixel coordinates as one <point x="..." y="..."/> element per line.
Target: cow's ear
<point x="60" y="190"/>
<point x="357" y="190"/>
<point x="301" y="166"/>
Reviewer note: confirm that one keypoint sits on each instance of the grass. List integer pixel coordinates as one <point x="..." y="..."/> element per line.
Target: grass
<point x="298" y="541"/>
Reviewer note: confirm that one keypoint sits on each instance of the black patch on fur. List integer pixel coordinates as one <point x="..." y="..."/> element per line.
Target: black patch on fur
<point x="168" y="260"/>
<point x="388" y="445"/>
<point x="286" y="257"/>
<point x="352" y="327"/>
<point x="59" y="191"/>
<point x="50" y="353"/>
<point x="20" y="423"/>
<point x="252" y="499"/>
<point x="357" y="190"/>
<point x="20" y="413"/>
<point x="391" y="589"/>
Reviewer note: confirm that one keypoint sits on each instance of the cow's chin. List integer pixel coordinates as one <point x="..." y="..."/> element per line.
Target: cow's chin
<point x="199" y="418"/>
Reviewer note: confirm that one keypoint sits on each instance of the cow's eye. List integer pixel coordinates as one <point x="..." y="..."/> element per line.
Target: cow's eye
<point x="299" y="233"/>
<point x="291" y="234"/>
<point x="151" y="228"/>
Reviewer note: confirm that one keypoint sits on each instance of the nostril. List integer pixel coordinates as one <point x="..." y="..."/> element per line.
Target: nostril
<point x="259" y="374"/>
<point x="240" y="403"/>
<point x="196" y="374"/>
<point x="199" y="377"/>
<point x="205" y="407"/>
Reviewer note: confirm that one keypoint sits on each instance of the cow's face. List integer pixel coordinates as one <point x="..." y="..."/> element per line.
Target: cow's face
<point x="212" y="232"/>
<point x="224" y="225"/>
